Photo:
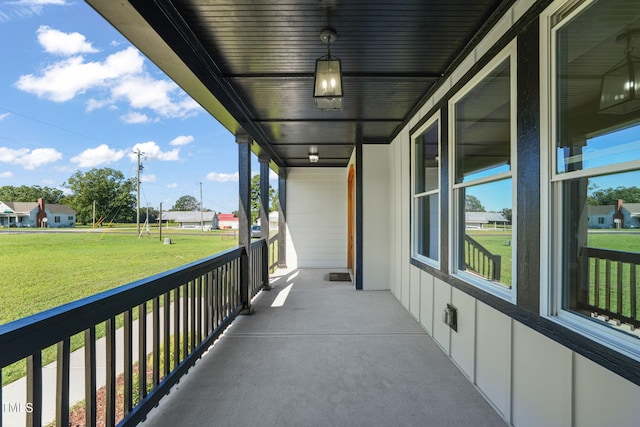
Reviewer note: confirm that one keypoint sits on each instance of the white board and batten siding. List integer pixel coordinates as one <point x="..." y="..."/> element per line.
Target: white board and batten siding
<point x="317" y="217"/>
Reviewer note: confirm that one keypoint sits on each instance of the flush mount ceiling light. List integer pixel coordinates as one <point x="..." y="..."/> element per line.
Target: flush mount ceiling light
<point x="313" y="154"/>
<point x="621" y="84"/>
<point x="327" y="92"/>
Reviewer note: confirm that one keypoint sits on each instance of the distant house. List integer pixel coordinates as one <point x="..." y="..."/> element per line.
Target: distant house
<point x="620" y="215"/>
<point x="36" y="214"/>
<point x="484" y="219"/>
<point x="190" y="219"/>
<point x="273" y="220"/>
<point x="222" y="220"/>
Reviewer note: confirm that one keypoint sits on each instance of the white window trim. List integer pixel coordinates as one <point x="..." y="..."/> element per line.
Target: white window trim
<point x="414" y="252"/>
<point x="550" y="193"/>
<point x="509" y="294"/>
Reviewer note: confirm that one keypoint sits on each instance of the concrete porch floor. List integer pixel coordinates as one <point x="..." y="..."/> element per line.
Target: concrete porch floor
<point x="325" y="356"/>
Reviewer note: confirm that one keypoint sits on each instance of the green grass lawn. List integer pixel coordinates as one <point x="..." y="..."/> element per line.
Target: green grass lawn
<point x="45" y="270"/>
<point x="616" y="240"/>
<point x="40" y="271"/>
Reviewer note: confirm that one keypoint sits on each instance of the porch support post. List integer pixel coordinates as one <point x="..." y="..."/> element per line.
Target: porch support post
<point x="359" y="213"/>
<point x="264" y="218"/>
<point x="244" y="213"/>
<point x="282" y="218"/>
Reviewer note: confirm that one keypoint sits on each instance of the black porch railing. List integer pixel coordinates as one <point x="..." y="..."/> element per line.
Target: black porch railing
<point x="479" y="260"/>
<point x="259" y="266"/>
<point x="188" y="308"/>
<point x="612" y="285"/>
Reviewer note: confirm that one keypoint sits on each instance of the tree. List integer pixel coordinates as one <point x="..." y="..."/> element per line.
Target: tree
<point x="24" y="193"/>
<point x="255" y="198"/>
<point x="507" y="213"/>
<point x="186" y="203"/>
<point x="108" y="188"/>
<point x="472" y="204"/>
<point x="610" y="196"/>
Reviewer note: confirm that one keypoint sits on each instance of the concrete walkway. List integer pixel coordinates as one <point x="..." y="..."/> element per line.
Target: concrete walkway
<point x="318" y="353"/>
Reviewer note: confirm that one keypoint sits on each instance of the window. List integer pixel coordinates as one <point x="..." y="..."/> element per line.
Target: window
<point x="56" y="219"/>
<point x="70" y="218"/>
<point x="482" y="167"/>
<point x="426" y="193"/>
<point x="595" y="173"/>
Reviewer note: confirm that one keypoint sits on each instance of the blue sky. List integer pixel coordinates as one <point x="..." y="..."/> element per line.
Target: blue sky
<point x="75" y="95"/>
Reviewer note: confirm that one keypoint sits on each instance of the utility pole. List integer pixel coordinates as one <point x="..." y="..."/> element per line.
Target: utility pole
<point x="139" y="153"/>
<point x="201" y="214"/>
<point x="94" y="214"/>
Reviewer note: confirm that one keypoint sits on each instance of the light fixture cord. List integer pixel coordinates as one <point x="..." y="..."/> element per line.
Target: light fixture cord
<point x="629" y="48"/>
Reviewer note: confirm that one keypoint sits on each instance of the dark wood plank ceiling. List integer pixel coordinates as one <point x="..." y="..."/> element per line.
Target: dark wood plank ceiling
<point x="257" y="59"/>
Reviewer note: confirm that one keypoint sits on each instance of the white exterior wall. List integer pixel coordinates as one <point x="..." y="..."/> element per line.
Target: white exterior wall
<point x="530" y="379"/>
<point x="375" y="200"/>
<point x="317" y="217"/>
<point x="64" y="219"/>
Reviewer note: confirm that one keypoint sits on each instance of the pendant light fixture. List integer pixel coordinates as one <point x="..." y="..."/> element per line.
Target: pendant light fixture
<point x="327" y="92"/>
<point x="620" y="89"/>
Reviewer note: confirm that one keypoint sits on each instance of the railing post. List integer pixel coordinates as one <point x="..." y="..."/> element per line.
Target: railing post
<point x="244" y="281"/>
<point x="282" y="218"/>
<point x="264" y="219"/>
<point x="244" y="217"/>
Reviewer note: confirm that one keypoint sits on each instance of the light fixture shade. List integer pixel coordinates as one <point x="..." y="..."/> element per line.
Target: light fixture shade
<point x="620" y="88"/>
<point x="327" y="92"/>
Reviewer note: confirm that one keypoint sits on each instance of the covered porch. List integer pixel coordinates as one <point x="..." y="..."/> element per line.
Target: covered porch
<point x="316" y="353"/>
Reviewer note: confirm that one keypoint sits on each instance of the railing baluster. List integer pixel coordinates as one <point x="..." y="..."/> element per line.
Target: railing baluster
<point x="155" y="340"/>
<point x="128" y="361"/>
<point x="608" y="285"/>
<point x="167" y="334"/>
<point x="142" y="350"/>
<point x="206" y="306"/>
<point x="218" y="301"/>
<point x="176" y="327"/>
<point x="62" y="383"/>
<point x="632" y="292"/>
<point x="192" y="314"/>
<point x="597" y="282"/>
<point x="185" y="320"/>
<point x="198" y="329"/>
<point x="619" y="288"/>
<point x="90" y="380"/>
<point x="110" y="387"/>
<point x="34" y="389"/>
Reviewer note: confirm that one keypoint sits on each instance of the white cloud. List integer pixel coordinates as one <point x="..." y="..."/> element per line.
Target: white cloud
<point x="9" y="155"/>
<point x="39" y="157"/>
<point x="143" y="91"/>
<point x="29" y="159"/>
<point x="151" y="150"/>
<point x="97" y="156"/>
<point x="4" y="116"/>
<point x="39" y="2"/>
<point x="148" y="178"/>
<point x="27" y="8"/>
<point x="119" y="78"/>
<point x="135" y="118"/>
<point x="172" y="185"/>
<point x="222" y="177"/>
<point x="6" y="174"/>
<point x="182" y="140"/>
<point x="60" y="43"/>
<point x="65" y="79"/>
